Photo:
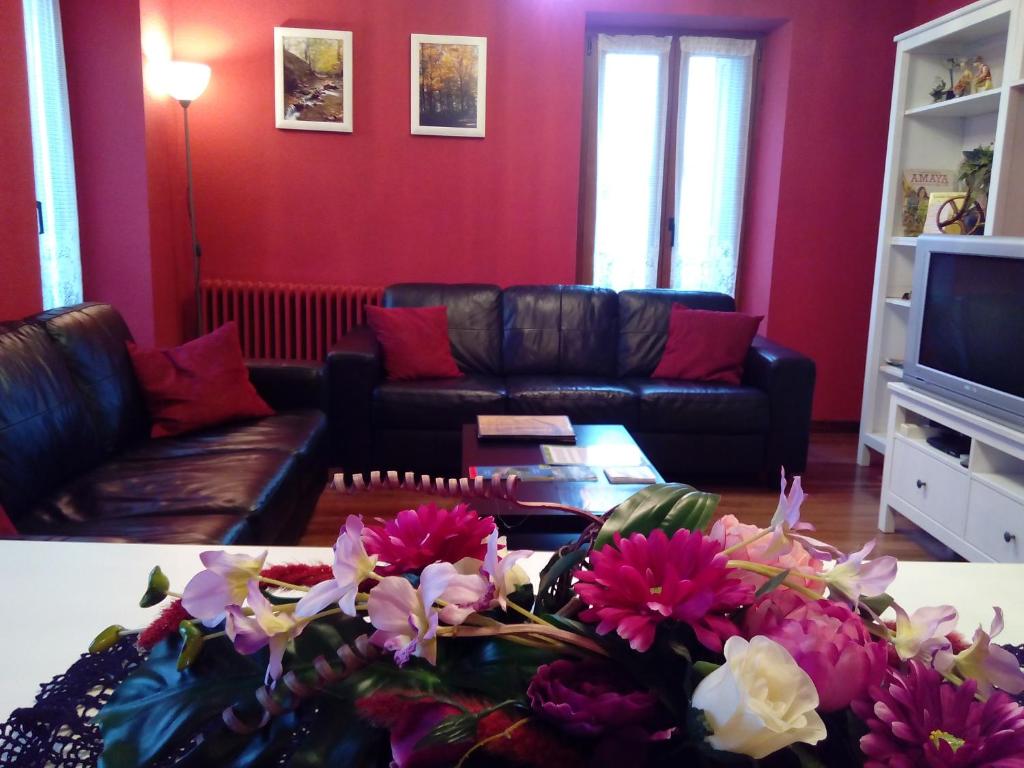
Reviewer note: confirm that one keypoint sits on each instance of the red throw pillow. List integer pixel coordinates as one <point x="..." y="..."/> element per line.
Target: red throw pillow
<point x="706" y="346"/>
<point x="414" y="341"/>
<point x="6" y="526"/>
<point x="200" y="384"/>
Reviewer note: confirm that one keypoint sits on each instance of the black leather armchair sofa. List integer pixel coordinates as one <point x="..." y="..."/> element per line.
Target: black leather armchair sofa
<point x="586" y="352"/>
<point x="76" y="460"/>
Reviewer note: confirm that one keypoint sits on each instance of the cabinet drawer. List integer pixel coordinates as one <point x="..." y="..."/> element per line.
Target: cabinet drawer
<point x="991" y="519"/>
<point x="935" y="488"/>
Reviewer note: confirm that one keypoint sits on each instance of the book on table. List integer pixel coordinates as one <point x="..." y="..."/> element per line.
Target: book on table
<point x="555" y="428"/>
<point x="537" y="473"/>
<point x="639" y="475"/>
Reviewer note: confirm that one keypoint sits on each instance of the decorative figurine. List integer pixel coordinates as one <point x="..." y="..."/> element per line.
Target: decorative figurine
<point x="952" y="79"/>
<point x="982" y="75"/>
<point x="965" y="84"/>
<point x="938" y="93"/>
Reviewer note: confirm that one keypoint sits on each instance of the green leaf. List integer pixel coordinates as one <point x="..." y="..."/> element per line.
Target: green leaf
<point x="669" y="506"/>
<point x="156" y="589"/>
<point x="806" y="756"/>
<point x="558" y="566"/>
<point x="451" y="730"/>
<point x="772" y="584"/>
<point x="705" y="668"/>
<point x="106" y="638"/>
<point x="878" y="604"/>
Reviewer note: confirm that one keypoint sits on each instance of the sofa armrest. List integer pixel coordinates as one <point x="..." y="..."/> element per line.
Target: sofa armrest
<point x="788" y="378"/>
<point x="287" y="385"/>
<point x="354" y="368"/>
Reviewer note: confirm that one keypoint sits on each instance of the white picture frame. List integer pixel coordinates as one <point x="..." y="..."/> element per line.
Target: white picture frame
<point x="306" y="93"/>
<point x="456" y="117"/>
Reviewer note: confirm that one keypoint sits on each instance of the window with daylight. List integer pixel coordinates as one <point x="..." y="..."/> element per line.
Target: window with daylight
<point x="60" y="259"/>
<point x="667" y="122"/>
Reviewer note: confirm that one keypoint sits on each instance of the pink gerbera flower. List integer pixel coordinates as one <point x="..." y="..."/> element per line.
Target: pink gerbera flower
<point x="418" y="537"/>
<point x="637" y="583"/>
<point x="918" y="719"/>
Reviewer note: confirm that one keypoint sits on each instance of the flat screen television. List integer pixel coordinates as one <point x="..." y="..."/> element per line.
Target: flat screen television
<point x="965" y="337"/>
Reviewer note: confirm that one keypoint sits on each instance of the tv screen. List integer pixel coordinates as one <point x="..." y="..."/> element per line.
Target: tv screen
<point x="973" y="320"/>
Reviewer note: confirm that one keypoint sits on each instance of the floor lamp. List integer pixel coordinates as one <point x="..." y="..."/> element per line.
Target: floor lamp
<point x="186" y="82"/>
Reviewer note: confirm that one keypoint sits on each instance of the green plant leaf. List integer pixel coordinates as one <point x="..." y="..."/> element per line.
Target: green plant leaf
<point x="669" y="506"/>
<point x="558" y="566"/>
<point x="878" y="604"/>
<point x="772" y="584"/>
<point x="693" y="511"/>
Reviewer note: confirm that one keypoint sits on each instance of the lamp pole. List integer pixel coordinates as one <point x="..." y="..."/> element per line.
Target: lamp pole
<point x="196" y="250"/>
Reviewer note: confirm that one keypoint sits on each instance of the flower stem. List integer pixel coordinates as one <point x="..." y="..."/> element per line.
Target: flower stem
<point x="480" y="744"/>
<point x="530" y="629"/>
<point x="284" y="584"/>
<point x="528" y="615"/>
<point x="770" y="571"/>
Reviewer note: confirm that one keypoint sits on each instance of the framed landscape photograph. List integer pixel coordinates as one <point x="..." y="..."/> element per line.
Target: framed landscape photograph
<point x="313" y="79"/>
<point x="449" y="85"/>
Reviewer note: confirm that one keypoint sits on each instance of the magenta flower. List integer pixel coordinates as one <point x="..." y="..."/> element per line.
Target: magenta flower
<point x="418" y="537"/>
<point x="223" y="582"/>
<point x="265" y="627"/>
<point x="917" y="719"/>
<point x="827" y="640"/>
<point x="637" y="583"/>
<point x="590" y="698"/>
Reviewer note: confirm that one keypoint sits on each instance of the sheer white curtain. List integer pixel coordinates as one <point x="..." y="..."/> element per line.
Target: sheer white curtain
<point x="632" y="101"/>
<point x="60" y="260"/>
<point x="716" y="81"/>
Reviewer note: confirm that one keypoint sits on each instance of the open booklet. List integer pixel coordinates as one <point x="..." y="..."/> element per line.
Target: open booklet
<point x="555" y="428"/>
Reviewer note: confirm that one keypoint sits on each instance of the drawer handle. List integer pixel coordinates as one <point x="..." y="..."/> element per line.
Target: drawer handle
<point x="922" y="484"/>
<point x="1008" y="537"/>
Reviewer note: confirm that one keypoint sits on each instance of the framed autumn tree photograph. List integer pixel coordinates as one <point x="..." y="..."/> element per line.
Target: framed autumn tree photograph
<point x="313" y="79"/>
<point x="449" y="85"/>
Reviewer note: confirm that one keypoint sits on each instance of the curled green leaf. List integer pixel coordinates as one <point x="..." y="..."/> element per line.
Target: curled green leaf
<point x="192" y="644"/>
<point x="156" y="590"/>
<point x="106" y="639"/>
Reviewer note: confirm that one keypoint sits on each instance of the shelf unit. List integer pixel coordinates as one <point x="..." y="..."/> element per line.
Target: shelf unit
<point x="932" y="136"/>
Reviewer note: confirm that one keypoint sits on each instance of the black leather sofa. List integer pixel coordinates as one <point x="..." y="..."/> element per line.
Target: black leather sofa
<point x="583" y="351"/>
<point x="76" y="460"/>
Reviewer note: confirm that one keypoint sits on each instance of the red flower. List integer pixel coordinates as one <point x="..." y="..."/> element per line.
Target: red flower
<point x="638" y="582"/>
<point x="418" y="537"/>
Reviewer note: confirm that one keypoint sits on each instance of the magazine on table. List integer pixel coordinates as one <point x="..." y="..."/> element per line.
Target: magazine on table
<point x="537" y="473"/>
<point x="555" y="428"/>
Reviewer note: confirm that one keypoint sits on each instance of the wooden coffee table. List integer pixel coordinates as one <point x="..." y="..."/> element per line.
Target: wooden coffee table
<point x="547" y="527"/>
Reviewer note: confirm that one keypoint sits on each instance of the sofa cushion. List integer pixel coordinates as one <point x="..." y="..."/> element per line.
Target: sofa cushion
<point x="46" y="433"/>
<point x="202" y="383"/>
<point x="706" y="346"/>
<point x="130" y="488"/>
<point x="567" y="329"/>
<point x="161" y="529"/>
<point x="414" y="342"/>
<point x="668" y="405"/>
<point x="643" y="324"/>
<point x="474" y="319"/>
<point x="437" y="403"/>
<point x="92" y="339"/>
<point x="584" y="399"/>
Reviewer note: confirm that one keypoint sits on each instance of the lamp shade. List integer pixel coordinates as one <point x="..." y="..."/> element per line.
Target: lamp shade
<point x="186" y="80"/>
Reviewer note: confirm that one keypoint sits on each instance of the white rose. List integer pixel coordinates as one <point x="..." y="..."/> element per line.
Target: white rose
<point x="759" y="701"/>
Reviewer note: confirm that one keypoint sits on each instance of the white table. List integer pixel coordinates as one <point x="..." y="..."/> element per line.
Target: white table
<point x="59" y="595"/>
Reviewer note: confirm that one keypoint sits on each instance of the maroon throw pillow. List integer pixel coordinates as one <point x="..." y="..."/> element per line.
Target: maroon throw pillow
<point x="706" y="346"/>
<point x="414" y="341"/>
<point x="6" y="526"/>
<point x="202" y="383"/>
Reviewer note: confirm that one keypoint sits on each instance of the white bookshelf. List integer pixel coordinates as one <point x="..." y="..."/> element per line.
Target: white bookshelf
<point x="923" y="134"/>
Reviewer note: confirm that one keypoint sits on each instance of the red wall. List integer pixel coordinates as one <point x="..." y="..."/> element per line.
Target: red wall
<point x="380" y="205"/>
<point x="20" y="290"/>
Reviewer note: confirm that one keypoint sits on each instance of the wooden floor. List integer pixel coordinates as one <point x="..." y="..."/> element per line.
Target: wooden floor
<point x="842" y="503"/>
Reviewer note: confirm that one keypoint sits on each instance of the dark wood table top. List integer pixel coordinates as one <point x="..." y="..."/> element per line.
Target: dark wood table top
<point x="612" y="441"/>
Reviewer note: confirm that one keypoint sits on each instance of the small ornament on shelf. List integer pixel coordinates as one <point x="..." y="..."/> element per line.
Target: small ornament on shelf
<point x="964" y="86"/>
<point x="938" y="93"/>
<point x="982" y="75"/>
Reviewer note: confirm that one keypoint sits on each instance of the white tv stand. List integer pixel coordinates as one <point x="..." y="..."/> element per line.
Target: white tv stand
<point x="978" y="509"/>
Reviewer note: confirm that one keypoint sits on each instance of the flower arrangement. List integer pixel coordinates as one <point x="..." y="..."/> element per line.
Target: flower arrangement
<point x="657" y="639"/>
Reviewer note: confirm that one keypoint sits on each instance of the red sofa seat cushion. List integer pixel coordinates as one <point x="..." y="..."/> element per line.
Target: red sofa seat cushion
<point x="706" y="346"/>
<point x="414" y="342"/>
<point x="200" y="384"/>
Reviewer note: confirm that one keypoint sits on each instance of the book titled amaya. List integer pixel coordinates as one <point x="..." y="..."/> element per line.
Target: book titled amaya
<point x="918" y="185"/>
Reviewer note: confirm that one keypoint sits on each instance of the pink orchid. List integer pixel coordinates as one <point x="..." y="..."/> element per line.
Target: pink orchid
<point x="265" y="627"/>
<point x="786" y="525"/>
<point x="223" y="582"/>
<point x="854" y="576"/>
<point x="923" y="633"/>
<point x="467" y="592"/>
<point x="481" y="585"/>
<point x="405" y="616"/>
<point x="990" y="665"/>
<point x="352" y="565"/>
<point x="504" y="572"/>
